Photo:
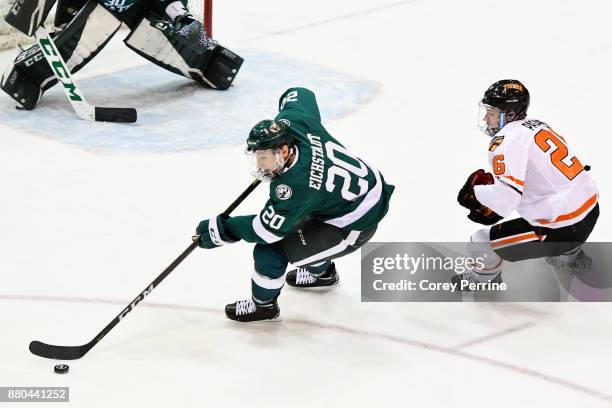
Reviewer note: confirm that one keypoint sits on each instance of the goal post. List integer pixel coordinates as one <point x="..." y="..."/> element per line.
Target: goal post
<point x="202" y="10"/>
<point x="207" y="17"/>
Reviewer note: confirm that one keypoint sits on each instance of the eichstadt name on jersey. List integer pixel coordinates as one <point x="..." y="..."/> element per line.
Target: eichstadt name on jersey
<point x="325" y="181"/>
<point x="317" y="165"/>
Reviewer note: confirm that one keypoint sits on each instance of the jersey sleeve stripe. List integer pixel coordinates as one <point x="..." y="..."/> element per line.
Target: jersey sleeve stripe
<point x="215" y="235"/>
<point x="514" y="180"/>
<point x="587" y="205"/>
<point x="262" y="232"/>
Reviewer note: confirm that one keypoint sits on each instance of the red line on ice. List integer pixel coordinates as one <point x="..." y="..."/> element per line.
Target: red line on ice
<point x="451" y="351"/>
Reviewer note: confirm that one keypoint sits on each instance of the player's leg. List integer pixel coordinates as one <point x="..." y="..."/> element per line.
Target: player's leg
<point x="267" y="280"/>
<point x="490" y="267"/>
<point x="312" y="246"/>
<point x="312" y="249"/>
<point x="517" y="240"/>
<point x="573" y="257"/>
<point x="79" y="42"/>
<point x="511" y="240"/>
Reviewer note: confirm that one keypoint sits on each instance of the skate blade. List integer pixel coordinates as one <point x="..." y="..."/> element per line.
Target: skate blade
<point x="276" y="319"/>
<point x="317" y="288"/>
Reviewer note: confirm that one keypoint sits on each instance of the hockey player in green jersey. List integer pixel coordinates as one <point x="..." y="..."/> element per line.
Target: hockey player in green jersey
<point x="324" y="203"/>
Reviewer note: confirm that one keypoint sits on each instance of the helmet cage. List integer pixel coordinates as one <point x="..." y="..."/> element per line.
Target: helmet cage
<point x="490" y="119"/>
<point x="266" y="164"/>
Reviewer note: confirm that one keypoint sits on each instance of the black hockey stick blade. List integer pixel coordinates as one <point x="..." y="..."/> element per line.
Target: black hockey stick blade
<point x="117" y="115"/>
<point x="58" y="352"/>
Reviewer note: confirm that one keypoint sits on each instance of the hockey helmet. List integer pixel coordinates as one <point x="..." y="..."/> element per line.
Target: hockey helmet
<point x="505" y="101"/>
<point x="270" y="134"/>
<point x="264" y="148"/>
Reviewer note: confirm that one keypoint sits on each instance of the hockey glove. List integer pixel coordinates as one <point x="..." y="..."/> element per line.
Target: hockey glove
<point x="212" y="233"/>
<point x="484" y="215"/>
<point x="467" y="198"/>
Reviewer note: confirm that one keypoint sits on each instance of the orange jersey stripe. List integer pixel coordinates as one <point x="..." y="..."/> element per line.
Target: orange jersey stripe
<point x="587" y="204"/>
<point x="517" y="181"/>
<point x="515" y="239"/>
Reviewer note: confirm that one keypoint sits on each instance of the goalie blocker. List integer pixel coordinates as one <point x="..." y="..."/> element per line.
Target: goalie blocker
<point x="210" y="64"/>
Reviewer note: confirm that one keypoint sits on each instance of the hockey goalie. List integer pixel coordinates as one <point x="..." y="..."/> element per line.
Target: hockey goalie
<point x="162" y="31"/>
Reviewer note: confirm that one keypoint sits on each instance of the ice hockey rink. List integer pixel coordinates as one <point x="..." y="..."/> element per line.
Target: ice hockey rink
<point x="90" y="213"/>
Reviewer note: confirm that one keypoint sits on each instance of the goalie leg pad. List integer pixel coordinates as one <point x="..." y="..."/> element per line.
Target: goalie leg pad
<point x="78" y="43"/>
<point x="208" y="63"/>
<point x="21" y="88"/>
<point x="27" y="15"/>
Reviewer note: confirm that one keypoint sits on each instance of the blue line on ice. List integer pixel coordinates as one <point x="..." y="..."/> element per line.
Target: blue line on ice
<point x="177" y="114"/>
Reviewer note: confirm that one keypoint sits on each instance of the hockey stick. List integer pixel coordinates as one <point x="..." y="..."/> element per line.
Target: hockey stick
<point x="74" y="94"/>
<point x="76" y="352"/>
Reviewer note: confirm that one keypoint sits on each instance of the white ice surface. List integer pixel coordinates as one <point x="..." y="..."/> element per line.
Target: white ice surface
<point x="83" y="229"/>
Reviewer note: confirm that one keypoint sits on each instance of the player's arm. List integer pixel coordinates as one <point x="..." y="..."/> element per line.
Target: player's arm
<point x="297" y="104"/>
<point x="281" y="213"/>
<point x="276" y="220"/>
<point x="509" y="167"/>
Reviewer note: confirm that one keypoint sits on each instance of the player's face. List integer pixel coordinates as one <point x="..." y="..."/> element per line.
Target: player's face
<point x="266" y="164"/>
<point x="488" y="119"/>
<point x="492" y="116"/>
<point x="266" y="160"/>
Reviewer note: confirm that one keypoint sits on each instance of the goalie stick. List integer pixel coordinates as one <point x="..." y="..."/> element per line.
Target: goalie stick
<point x="72" y="91"/>
<point x="75" y="352"/>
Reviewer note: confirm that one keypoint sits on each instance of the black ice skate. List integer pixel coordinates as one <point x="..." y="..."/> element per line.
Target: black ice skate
<point x="581" y="262"/>
<point x="301" y="278"/>
<point x="470" y="277"/>
<point x="250" y="311"/>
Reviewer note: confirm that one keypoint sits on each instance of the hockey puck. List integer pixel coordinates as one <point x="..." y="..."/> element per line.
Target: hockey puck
<point x="61" y="368"/>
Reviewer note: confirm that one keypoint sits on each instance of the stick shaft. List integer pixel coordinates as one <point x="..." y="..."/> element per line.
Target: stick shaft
<point x="63" y="75"/>
<point x="75" y="352"/>
<point x="171" y="267"/>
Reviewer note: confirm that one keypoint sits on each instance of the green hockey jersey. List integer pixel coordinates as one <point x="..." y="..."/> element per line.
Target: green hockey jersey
<point x="325" y="181"/>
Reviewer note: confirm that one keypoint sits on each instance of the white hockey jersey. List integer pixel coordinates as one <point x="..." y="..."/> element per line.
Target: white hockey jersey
<point x="537" y="175"/>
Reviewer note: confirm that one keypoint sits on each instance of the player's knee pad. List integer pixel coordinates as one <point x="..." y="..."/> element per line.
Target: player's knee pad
<point x="480" y="249"/>
<point x="79" y="42"/>
<point x="482" y="235"/>
<point x="270" y="260"/>
<point x="194" y="57"/>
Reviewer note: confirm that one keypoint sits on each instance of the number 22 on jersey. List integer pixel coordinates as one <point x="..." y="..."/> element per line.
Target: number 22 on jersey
<point x="549" y="142"/>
